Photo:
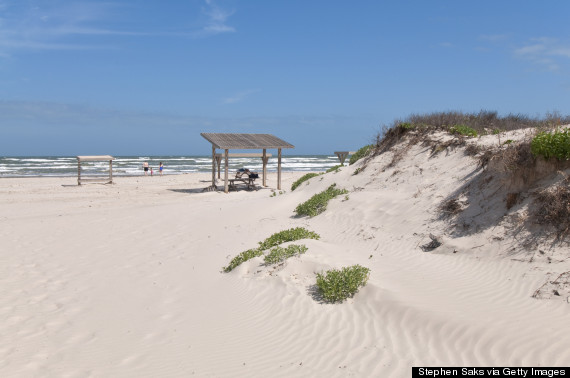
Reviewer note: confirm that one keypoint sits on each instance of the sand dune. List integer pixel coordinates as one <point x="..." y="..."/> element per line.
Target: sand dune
<point x="125" y="279"/>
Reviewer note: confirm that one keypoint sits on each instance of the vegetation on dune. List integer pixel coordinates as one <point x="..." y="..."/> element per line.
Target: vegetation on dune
<point x="274" y="240"/>
<point x="318" y="203"/>
<point x="337" y="285"/>
<point x="463" y="130"/>
<point x="483" y="122"/>
<point x="284" y="236"/>
<point x="554" y="144"/>
<point x="362" y="152"/>
<point x="333" y="169"/>
<point x="242" y="257"/>
<point x="302" y="179"/>
<point x="552" y="207"/>
<point x="279" y="254"/>
<point x="461" y="124"/>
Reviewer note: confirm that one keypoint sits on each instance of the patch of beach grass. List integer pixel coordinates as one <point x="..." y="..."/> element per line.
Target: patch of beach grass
<point x="279" y="254"/>
<point x="481" y="123"/>
<point x="242" y="257"/>
<point x="302" y="179"/>
<point x="463" y="130"/>
<point x="318" y="203"/>
<point x="274" y="240"/>
<point x="284" y="236"/>
<point x="333" y="169"/>
<point x="337" y="285"/>
<point x="554" y="144"/>
<point x="362" y="152"/>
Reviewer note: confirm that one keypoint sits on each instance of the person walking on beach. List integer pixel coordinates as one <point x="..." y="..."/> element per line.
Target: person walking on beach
<point x="160" y="167"/>
<point x="145" y="168"/>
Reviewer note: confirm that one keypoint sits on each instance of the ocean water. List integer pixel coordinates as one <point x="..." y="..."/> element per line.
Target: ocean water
<point x="34" y="166"/>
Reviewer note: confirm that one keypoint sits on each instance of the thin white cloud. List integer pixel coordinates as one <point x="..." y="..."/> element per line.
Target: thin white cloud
<point x="32" y="28"/>
<point x="562" y="51"/>
<point x="216" y="22"/>
<point x="239" y="96"/>
<point x="546" y="52"/>
<point x="60" y="25"/>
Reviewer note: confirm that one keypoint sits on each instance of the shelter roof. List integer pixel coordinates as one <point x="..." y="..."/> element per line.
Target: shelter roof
<point x="245" y="141"/>
<point x="96" y="158"/>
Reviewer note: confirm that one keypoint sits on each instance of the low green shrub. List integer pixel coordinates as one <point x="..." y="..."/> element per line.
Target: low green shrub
<point x="463" y="130"/>
<point x="274" y="240"/>
<point x="302" y="179"/>
<point x="243" y="257"/>
<point x="337" y="285"/>
<point x="292" y="234"/>
<point x="362" y="152"/>
<point x="318" y="203"/>
<point x="406" y="125"/>
<point x="555" y="144"/>
<point x="278" y="254"/>
<point x="333" y="169"/>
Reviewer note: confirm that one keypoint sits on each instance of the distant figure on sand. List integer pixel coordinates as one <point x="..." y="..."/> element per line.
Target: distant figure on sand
<point x="160" y="167"/>
<point x="145" y="168"/>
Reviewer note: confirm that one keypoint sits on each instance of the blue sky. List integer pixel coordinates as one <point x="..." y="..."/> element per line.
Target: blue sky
<point x="131" y="77"/>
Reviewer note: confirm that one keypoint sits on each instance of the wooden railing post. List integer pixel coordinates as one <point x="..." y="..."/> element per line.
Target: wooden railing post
<point x="110" y="171"/>
<point x="278" y="169"/>
<point x="226" y="187"/>
<point x="264" y="158"/>
<point x="213" y="166"/>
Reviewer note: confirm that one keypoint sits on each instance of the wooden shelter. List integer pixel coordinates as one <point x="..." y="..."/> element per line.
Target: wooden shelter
<point x="343" y="154"/>
<point x="81" y="159"/>
<point x="229" y="141"/>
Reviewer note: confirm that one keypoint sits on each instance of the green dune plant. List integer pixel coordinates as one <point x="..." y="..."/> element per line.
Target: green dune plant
<point x="463" y="130"/>
<point x="552" y="144"/>
<point x="302" y="179"/>
<point x="318" y="203"/>
<point x="362" y="152"/>
<point x="337" y="285"/>
<point x="274" y="240"/>
<point x="333" y="169"/>
<point x="242" y="257"/>
<point x="279" y="254"/>
<point x="284" y="236"/>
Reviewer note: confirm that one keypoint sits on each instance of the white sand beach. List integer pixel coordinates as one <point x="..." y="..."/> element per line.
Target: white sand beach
<point x="125" y="280"/>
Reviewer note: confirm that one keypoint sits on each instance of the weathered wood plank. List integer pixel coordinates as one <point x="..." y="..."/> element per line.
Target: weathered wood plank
<point x="245" y="141"/>
<point x="244" y="154"/>
<point x="95" y="158"/>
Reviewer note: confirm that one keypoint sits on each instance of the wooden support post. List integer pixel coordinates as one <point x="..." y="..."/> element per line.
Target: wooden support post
<point x="110" y="171"/>
<point x="264" y="158"/>
<point x="226" y="187"/>
<point x="78" y="172"/>
<point x="278" y="169"/>
<point x="219" y="162"/>
<point x="213" y="166"/>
